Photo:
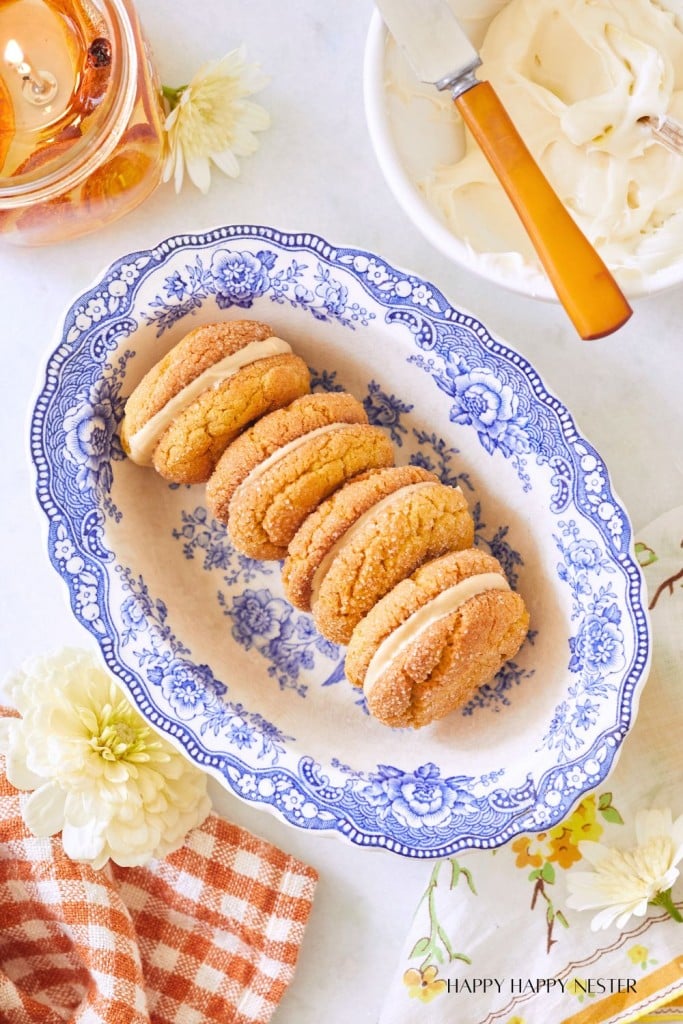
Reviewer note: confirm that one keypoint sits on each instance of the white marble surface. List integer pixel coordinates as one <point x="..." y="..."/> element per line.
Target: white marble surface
<point x="315" y="171"/>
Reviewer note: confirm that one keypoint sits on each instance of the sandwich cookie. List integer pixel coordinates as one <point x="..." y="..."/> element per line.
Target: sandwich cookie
<point x="216" y="381"/>
<point x="366" y="538"/>
<point x="279" y="470"/>
<point x="424" y="648"/>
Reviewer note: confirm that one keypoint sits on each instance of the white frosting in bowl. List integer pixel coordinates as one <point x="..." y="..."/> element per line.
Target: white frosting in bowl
<point x="576" y="77"/>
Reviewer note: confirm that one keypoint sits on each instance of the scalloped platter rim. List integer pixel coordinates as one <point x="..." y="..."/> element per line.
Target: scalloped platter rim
<point x="202" y="638"/>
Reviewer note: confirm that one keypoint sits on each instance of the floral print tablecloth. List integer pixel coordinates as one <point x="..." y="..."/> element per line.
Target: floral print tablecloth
<point x="495" y="940"/>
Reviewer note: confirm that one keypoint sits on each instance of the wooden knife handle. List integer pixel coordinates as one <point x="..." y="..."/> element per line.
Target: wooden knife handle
<point x="584" y="285"/>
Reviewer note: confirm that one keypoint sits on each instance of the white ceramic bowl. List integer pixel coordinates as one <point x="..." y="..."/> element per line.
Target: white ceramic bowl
<point x="414" y="129"/>
<point x="202" y="637"/>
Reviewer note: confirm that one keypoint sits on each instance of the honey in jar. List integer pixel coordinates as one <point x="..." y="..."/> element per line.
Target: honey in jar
<point x="81" y="116"/>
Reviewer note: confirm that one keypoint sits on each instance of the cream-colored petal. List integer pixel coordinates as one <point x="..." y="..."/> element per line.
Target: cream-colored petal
<point x="227" y="163"/>
<point x="638" y="909"/>
<point x="199" y="172"/>
<point x="100" y="859"/>
<point x="132" y="838"/>
<point x="14" y="687"/>
<point x="231" y="64"/>
<point x="243" y="141"/>
<point x="594" y="853"/>
<point x="43" y="812"/>
<point x="80" y="809"/>
<point x="651" y="823"/>
<point x="668" y="880"/>
<point x="116" y="772"/>
<point x="171" y="119"/>
<point x="17" y="769"/>
<point x="604" y="918"/>
<point x="5" y="733"/>
<point x="179" y="169"/>
<point x="131" y="858"/>
<point x="585" y="892"/>
<point x="150" y="783"/>
<point x="677" y="838"/>
<point x="609" y="915"/>
<point x="254" y="116"/>
<point x="84" y="842"/>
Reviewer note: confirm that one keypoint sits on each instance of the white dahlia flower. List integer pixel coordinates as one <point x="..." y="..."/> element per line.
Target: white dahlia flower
<point x="99" y="774"/>
<point x="624" y="882"/>
<point x="210" y="120"/>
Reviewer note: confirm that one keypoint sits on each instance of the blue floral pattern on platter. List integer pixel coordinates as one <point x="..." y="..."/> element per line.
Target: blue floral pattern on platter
<point x="492" y="395"/>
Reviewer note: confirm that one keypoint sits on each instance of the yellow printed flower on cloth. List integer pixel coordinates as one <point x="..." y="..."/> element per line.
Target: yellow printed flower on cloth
<point x="564" y="840"/>
<point x="530" y="851"/>
<point x="624" y="882"/>
<point x="564" y="851"/>
<point x="583" y="822"/>
<point x="424" y="985"/>
<point x="560" y="844"/>
<point x="638" y="955"/>
<point x="99" y="774"/>
<point x="211" y="121"/>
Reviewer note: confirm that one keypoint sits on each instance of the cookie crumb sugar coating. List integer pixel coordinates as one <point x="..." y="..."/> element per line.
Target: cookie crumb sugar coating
<point x="439" y="669"/>
<point x="414" y="524"/>
<point x="189" y="450"/>
<point x="270" y="479"/>
<point x="271" y="433"/>
<point x="209" y="387"/>
<point x="328" y="524"/>
<point x="266" y="513"/>
<point x="195" y="352"/>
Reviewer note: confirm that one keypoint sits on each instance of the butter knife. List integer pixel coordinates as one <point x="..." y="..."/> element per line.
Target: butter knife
<point x="441" y="54"/>
<point x="666" y="131"/>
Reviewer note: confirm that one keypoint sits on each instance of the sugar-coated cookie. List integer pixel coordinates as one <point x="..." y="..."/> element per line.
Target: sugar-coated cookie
<point x="427" y="645"/>
<point x="368" y="536"/>
<point x="381" y="555"/>
<point x="216" y="381"/>
<point x="280" y="469"/>
<point x="315" y="542"/>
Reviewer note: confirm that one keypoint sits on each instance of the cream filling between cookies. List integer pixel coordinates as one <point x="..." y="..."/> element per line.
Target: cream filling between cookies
<point x="438" y="607"/>
<point x="357" y="527"/>
<point x="286" y="449"/>
<point x="143" y="442"/>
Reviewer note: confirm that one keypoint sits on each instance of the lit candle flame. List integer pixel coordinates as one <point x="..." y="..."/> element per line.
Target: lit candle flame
<point x="14" y="55"/>
<point x="40" y="87"/>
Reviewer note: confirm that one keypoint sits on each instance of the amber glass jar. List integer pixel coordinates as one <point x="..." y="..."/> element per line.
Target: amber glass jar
<point x="93" y="152"/>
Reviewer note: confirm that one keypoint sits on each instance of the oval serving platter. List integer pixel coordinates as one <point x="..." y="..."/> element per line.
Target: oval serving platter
<point x="202" y="638"/>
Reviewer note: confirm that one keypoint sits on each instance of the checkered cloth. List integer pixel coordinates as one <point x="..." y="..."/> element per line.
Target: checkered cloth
<point x="210" y="933"/>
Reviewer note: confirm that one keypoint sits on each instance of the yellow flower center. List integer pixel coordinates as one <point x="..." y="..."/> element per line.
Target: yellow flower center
<point x="117" y="733"/>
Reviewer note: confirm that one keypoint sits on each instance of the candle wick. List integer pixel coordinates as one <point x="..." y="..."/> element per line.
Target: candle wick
<point x="38" y="84"/>
<point x="38" y="87"/>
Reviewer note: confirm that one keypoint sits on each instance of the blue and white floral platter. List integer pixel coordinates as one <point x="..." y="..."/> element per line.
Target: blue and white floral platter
<point x="202" y="637"/>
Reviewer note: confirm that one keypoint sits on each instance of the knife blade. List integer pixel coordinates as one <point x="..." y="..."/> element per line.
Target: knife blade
<point x="440" y="54"/>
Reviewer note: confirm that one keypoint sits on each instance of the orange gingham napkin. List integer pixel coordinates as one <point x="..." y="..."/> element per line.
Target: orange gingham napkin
<point x="210" y="933"/>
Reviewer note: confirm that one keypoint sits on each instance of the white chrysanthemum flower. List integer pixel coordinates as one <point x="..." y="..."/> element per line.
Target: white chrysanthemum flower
<point x="99" y="774"/>
<point x="210" y="120"/>
<point x="624" y="882"/>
